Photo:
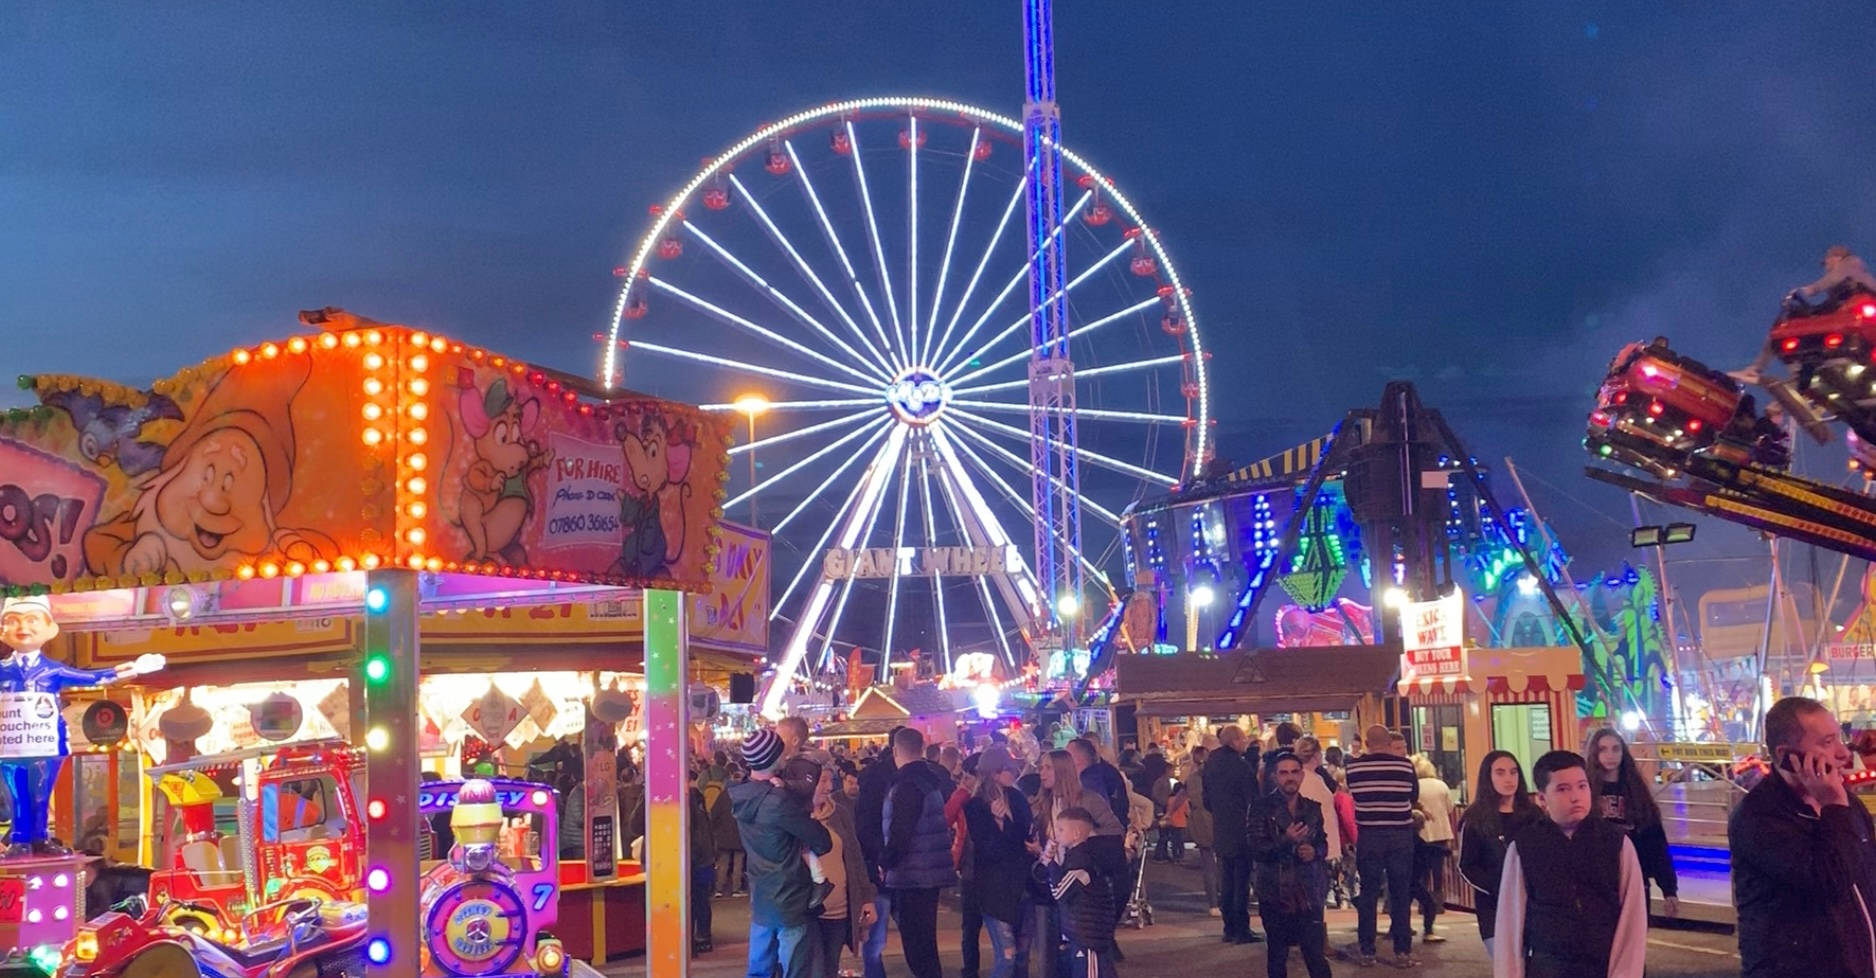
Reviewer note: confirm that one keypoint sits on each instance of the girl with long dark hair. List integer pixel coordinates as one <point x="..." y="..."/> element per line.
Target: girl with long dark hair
<point x="1623" y="798"/>
<point x="1501" y="808"/>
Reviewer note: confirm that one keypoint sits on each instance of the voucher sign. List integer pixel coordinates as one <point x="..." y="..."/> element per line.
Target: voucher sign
<point x="29" y="725"/>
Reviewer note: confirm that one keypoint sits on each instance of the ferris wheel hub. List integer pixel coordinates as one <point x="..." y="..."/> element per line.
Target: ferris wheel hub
<point x="917" y="397"/>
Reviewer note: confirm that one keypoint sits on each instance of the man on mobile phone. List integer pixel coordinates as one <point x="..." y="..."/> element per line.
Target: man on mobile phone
<point x="1804" y="864"/>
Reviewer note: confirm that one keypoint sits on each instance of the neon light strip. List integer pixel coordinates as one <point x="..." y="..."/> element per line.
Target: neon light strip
<point x="764" y="332"/>
<point x="898" y="546"/>
<point x="1023" y="357"/>
<point x="1053" y="298"/>
<point x="1028" y="509"/>
<point x="1079" y="412"/>
<point x="798" y="432"/>
<point x="750" y="367"/>
<point x="799" y="405"/>
<point x="801" y="263"/>
<point x="820" y="546"/>
<point x="983" y="583"/>
<point x="780" y="299"/>
<point x="944" y="267"/>
<point x="831" y="477"/>
<point x="931" y="539"/>
<point x="1022" y="466"/>
<point x="833" y="239"/>
<point x="797" y="648"/>
<point x="1097" y="457"/>
<point x="872" y="230"/>
<point x="667" y="782"/>
<point x="1010" y="287"/>
<point x="911" y="271"/>
<point x="983" y="260"/>
<point x="803" y="463"/>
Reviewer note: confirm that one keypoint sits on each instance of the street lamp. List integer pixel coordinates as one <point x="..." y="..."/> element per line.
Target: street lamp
<point x="752" y="405"/>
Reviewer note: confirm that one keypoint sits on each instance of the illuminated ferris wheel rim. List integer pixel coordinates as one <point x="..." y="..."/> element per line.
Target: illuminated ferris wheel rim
<point x="1200" y="446"/>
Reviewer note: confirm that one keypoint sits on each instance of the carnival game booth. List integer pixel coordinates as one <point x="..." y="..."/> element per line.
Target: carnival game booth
<point x="376" y="473"/>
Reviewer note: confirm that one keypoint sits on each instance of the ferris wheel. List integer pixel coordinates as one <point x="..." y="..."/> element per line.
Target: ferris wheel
<point x="853" y="276"/>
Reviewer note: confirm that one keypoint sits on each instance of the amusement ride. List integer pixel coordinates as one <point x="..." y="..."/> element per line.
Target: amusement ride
<point x="868" y="258"/>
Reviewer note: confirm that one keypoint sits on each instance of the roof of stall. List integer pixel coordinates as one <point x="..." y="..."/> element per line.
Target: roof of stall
<point x="1293" y="680"/>
<point x="355" y="446"/>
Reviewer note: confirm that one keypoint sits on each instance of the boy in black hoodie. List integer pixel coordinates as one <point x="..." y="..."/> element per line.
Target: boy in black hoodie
<point x="1084" y="893"/>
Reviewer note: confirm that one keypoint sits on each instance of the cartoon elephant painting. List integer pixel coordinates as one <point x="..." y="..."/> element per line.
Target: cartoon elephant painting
<point x="652" y="506"/>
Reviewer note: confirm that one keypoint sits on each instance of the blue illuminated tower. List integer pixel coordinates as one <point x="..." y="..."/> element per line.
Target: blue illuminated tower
<point x="1051" y="372"/>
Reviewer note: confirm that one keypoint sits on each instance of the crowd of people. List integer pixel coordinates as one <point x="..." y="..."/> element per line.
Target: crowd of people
<point x="1045" y="845"/>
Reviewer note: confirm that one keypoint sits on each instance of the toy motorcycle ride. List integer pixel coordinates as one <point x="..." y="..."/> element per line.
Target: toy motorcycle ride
<point x="305" y="937"/>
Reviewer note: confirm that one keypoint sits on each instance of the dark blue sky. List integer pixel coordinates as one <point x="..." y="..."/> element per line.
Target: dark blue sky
<point x="1487" y="199"/>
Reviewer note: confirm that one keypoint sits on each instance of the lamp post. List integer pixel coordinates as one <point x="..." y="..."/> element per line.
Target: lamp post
<point x="752" y="405"/>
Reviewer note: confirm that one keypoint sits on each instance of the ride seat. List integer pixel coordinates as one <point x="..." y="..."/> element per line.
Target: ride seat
<point x="206" y="861"/>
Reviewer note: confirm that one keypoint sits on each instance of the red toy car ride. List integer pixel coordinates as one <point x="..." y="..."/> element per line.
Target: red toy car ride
<point x="1658" y="410"/>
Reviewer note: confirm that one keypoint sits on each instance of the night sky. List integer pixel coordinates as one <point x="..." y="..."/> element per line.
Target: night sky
<point x="1486" y="199"/>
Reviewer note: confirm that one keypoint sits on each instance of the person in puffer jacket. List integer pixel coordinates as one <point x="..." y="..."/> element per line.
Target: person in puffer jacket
<point x="1084" y="894"/>
<point x="776" y="830"/>
<point x="916" y="861"/>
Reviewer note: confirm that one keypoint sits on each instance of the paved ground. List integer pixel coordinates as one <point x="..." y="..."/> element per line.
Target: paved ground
<point x="1184" y="942"/>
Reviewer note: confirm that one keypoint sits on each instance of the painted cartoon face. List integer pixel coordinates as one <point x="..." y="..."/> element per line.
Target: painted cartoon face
<point x="216" y="501"/>
<point x="503" y="446"/>
<point x="645" y="458"/>
<point x="25" y="630"/>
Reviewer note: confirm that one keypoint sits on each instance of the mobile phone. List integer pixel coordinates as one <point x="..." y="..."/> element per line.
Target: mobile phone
<point x="1788" y="760"/>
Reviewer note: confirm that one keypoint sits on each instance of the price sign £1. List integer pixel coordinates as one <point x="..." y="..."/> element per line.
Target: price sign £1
<point x="494" y="716"/>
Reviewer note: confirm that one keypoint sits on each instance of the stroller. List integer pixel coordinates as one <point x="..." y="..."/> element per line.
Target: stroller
<point x="1138" y="911"/>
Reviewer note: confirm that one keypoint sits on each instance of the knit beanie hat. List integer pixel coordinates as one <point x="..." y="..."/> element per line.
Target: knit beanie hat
<point x="762" y="750"/>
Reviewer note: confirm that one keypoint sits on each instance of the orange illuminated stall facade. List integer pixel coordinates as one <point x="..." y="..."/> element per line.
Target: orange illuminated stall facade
<point x="365" y="464"/>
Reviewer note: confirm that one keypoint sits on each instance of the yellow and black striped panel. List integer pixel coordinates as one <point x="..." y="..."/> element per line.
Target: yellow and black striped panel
<point x="1290" y="462"/>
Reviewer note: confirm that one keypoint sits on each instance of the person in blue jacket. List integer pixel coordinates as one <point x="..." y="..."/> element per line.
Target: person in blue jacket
<point x="30" y="685"/>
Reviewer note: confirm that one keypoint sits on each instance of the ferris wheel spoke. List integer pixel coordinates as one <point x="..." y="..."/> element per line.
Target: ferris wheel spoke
<point x="983" y="582"/>
<point x="807" y="271"/>
<point x="911" y="265"/>
<point x="983" y="260"/>
<point x="800" y="405"/>
<point x="766" y="333"/>
<point x="1023" y="320"/>
<point x="931" y="542"/>
<point x="820" y="545"/>
<point x="1023" y="468"/>
<point x="1027" y="507"/>
<point x="1081" y="373"/>
<point x="1009" y="288"/>
<point x="871" y="488"/>
<point x="1025" y="593"/>
<point x="951" y="240"/>
<point x="1097" y="414"/>
<point x="746" y="367"/>
<point x="804" y="462"/>
<point x="1024" y="355"/>
<point x="795" y="433"/>
<point x="1106" y="461"/>
<point x="833" y="241"/>
<point x="898" y="545"/>
<point x="846" y="588"/>
<point x="831" y="478"/>
<point x="872" y="230"/>
<point x="794" y="309"/>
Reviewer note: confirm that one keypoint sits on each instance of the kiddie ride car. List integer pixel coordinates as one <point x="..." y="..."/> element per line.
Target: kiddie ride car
<point x="484" y="910"/>
<point x="1830" y="349"/>
<point x="301" y="836"/>
<point x="1661" y="412"/>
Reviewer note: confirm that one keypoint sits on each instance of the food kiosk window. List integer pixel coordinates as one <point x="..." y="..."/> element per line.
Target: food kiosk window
<point x="1523" y="729"/>
<point x="1439" y="733"/>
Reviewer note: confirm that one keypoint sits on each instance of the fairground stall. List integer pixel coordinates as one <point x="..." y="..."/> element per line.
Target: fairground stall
<point x="288" y="521"/>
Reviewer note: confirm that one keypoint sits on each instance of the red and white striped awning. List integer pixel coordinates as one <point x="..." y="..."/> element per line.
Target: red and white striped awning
<point x="1499" y="688"/>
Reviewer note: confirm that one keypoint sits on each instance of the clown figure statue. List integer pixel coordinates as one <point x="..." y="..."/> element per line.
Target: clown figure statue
<point x="32" y="729"/>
